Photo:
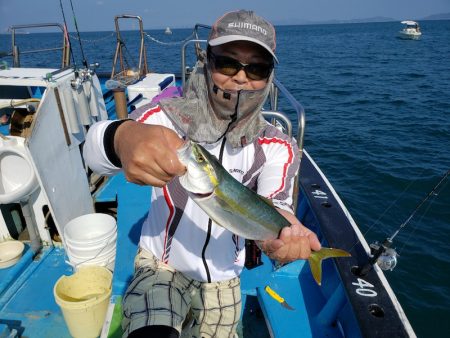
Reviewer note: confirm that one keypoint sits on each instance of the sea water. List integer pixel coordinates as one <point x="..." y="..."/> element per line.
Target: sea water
<point x="377" y="123"/>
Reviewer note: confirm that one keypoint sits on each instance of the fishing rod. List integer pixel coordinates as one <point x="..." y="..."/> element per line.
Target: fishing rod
<point x="383" y="253"/>
<point x="66" y="33"/>
<point x="78" y="34"/>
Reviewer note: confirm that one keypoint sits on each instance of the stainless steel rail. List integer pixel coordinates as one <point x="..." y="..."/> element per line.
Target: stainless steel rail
<point x="142" y="67"/>
<point x="183" y="59"/>
<point x="15" y="53"/>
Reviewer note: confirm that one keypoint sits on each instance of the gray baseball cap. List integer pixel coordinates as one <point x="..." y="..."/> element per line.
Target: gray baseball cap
<point x="243" y="25"/>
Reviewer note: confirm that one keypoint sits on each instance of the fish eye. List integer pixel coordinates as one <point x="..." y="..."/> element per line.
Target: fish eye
<point x="200" y="158"/>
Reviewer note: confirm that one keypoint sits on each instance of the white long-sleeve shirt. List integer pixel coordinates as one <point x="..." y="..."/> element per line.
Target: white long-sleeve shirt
<point x="176" y="230"/>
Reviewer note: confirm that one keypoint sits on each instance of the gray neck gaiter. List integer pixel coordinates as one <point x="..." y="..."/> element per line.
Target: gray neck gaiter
<point x="207" y="113"/>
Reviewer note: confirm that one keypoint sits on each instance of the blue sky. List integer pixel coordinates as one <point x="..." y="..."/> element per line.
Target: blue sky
<point x="93" y="15"/>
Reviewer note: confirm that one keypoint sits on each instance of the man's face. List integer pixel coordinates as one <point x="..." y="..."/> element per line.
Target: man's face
<point x="246" y="53"/>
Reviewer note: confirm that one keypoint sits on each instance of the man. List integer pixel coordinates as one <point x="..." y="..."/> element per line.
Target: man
<point x="186" y="263"/>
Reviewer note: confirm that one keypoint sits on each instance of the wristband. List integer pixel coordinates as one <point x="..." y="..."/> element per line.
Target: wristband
<point x="108" y="142"/>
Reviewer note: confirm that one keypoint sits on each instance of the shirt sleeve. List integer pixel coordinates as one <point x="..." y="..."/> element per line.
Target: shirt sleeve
<point x="277" y="176"/>
<point x="94" y="152"/>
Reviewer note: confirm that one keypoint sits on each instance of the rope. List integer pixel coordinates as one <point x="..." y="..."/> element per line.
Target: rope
<point x="93" y="40"/>
<point x="172" y="43"/>
<point x="13" y="104"/>
<point x="151" y="38"/>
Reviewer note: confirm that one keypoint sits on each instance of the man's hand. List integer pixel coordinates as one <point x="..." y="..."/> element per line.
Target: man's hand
<point x="148" y="153"/>
<point x="295" y="242"/>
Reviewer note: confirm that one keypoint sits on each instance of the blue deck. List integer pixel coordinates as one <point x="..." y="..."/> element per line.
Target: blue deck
<point x="27" y="303"/>
<point x="34" y="279"/>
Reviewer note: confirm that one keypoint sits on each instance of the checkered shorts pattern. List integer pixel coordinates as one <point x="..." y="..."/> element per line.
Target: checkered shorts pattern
<point x="159" y="295"/>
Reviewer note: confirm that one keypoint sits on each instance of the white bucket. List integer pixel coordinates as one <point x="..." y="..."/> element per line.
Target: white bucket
<point x="91" y="240"/>
<point x="84" y="299"/>
<point x="107" y="262"/>
<point x="87" y="250"/>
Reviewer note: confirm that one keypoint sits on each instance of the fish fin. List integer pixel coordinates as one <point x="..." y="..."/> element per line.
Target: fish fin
<point x="224" y="202"/>
<point x="316" y="258"/>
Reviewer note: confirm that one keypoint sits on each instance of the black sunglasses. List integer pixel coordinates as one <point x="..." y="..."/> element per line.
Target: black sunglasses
<point x="230" y="67"/>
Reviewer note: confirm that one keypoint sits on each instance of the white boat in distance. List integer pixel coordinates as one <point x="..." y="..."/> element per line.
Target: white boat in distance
<point x="168" y="31"/>
<point x="410" y="31"/>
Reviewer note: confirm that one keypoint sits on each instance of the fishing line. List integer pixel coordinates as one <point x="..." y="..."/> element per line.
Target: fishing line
<point x="419" y="221"/>
<point x="384" y="250"/>
<point x="67" y="33"/>
<point x="394" y="202"/>
<point x="78" y="34"/>
<point x="414" y="229"/>
<point x="431" y="193"/>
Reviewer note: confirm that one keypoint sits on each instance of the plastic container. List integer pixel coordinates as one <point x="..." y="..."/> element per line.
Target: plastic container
<point x="150" y="86"/>
<point x="84" y="299"/>
<point x="92" y="249"/>
<point x="10" y="253"/>
<point x="17" y="177"/>
<point x="106" y="259"/>
<point x="90" y="228"/>
<point x="91" y="240"/>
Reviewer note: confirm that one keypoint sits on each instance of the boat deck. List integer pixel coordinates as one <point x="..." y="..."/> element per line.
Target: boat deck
<point x="34" y="278"/>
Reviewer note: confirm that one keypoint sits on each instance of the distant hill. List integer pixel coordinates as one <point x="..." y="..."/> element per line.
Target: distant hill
<point x="335" y="21"/>
<point x="295" y="21"/>
<point x="373" y="19"/>
<point x="441" y="16"/>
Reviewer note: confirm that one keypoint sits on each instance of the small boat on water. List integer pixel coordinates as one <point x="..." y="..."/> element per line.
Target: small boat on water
<point x="168" y="31"/>
<point x="411" y="30"/>
<point x="45" y="185"/>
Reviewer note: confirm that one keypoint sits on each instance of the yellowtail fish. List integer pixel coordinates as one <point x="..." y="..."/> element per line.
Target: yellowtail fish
<point x="235" y="207"/>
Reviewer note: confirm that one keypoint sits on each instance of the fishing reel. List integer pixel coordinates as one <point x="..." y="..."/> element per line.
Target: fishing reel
<point x="83" y="75"/>
<point x="385" y="256"/>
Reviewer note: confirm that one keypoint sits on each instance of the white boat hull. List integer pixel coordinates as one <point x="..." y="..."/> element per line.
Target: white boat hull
<point x="409" y="34"/>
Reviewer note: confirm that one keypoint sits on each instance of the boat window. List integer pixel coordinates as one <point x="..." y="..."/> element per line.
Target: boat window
<point x="14" y="92"/>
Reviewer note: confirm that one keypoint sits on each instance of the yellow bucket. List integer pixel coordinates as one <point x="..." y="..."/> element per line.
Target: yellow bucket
<point x="84" y="299"/>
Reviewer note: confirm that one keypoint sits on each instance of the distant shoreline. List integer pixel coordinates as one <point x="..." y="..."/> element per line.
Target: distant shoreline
<point x="288" y="22"/>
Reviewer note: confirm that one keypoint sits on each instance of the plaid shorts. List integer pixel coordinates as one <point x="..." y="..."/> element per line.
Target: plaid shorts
<point x="159" y="295"/>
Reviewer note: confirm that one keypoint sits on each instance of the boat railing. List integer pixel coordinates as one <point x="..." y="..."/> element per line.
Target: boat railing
<point x="277" y="89"/>
<point x="198" y="50"/>
<point x="184" y="69"/>
<point x="126" y="75"/>
<point x="15" y="51"/>
<point x="299" y="110"/>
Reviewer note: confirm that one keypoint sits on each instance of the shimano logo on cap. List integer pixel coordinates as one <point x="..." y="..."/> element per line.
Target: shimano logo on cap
<point x="246" y="25"/>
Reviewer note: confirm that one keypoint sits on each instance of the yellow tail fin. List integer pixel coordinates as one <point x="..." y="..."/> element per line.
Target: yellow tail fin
<point x="316" y="258"/>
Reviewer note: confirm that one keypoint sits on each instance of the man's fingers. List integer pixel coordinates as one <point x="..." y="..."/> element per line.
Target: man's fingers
<point x="286" y="234"/>
<point x="148" y="153"/>
<point x="270" y="246"/>
<point x="314" y="242"/>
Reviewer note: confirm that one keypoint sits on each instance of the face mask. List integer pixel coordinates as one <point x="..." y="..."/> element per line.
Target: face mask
<point x="207" y="113"/>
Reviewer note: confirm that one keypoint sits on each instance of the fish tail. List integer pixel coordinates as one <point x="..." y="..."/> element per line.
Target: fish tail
<point x="316" y="258"/>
